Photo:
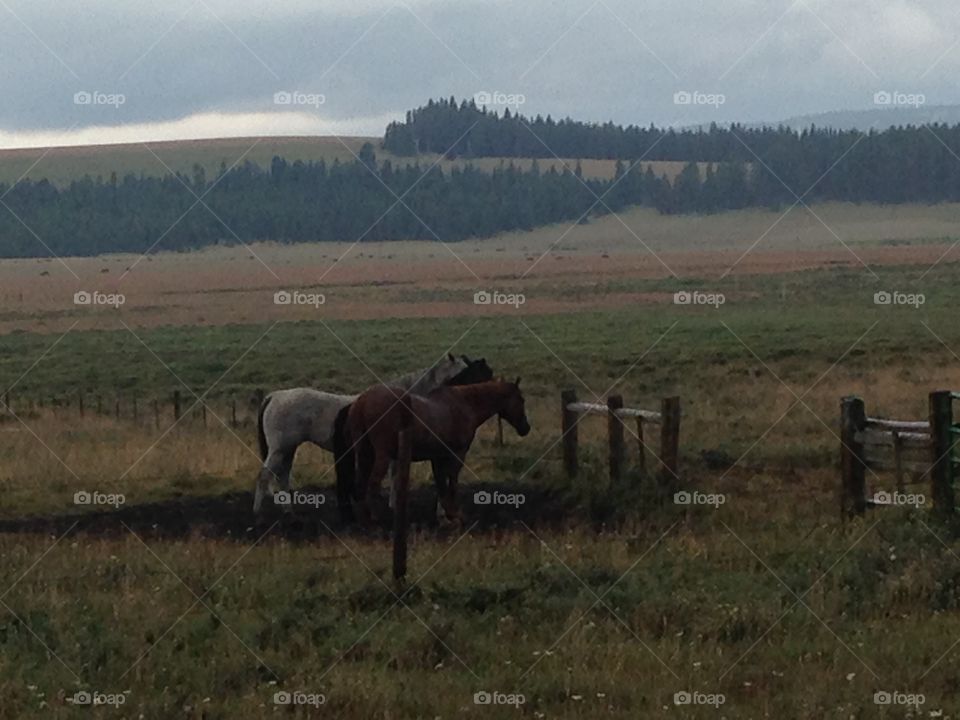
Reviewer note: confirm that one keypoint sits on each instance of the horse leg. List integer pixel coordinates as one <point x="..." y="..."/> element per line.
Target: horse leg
<point x="284" y="476"/>
<point x="345" y="465"/>
<point x="378" y="470"/>
<point x="454" y="465"/>
<point x="271" y="470"/>
<point x="363" y="466"/>
<point x="440" y="483"/>
<point x="391" y="476"/>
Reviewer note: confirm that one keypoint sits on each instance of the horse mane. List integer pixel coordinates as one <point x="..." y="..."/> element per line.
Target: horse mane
<point x="421" y="381"/>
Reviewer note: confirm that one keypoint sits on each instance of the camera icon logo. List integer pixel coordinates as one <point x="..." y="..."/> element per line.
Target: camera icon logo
<point x="682" y="698"/>
<point x="82" y="697"/>
<point x="682" y="498"/>
<point x="282" y="497"/>
<point x="682" y="97"/>
<point x="282" y="697"/>
<point x="82" y="98"/>
<point x="282" y="98"/>
<point x="882" y="697"/>
<point x="882" y="298"/>
<point x="82" y="497"/>
<point x="482" y="698"/>
<point x="882" y="97"/>
<point x="482" y="497"/>
<point x="482" y="297"/>
<point x="82" y="297"/>
<point x="683" y="297"/>
<point x="882" y="497"/>
<point x="282" y="297"/>
<point x="482" y="98"/>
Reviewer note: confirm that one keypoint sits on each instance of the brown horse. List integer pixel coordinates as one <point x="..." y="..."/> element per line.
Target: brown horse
<point x="442" y="425"/>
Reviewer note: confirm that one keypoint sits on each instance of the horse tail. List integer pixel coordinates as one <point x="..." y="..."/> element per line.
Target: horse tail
<point x="344" y="459"/>
<point x="261" y="435"/>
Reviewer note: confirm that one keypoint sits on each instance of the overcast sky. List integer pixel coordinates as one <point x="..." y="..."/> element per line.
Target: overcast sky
<point x="126" y="70"/>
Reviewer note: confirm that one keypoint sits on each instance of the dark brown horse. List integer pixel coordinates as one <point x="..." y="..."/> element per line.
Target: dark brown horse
<point x="442" y="425"/>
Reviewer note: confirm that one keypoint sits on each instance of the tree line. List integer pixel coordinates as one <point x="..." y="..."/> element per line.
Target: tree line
<point x="292" y="202"/>
<point x="300" y="201"/>
<point x="766" y="166"/>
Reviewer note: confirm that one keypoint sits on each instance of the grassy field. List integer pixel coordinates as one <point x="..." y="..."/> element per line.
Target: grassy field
<point x="61" y="165"/>
<point x="590" y="599"/>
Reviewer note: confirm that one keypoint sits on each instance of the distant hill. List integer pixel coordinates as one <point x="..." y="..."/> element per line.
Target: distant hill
<point x="60" y="165"/>
<point x="879" y="118"/>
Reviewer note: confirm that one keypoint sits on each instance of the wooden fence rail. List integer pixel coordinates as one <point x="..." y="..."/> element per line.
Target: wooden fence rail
<point x="572" y="411"/>
<point x="922" y="447"/>
<point x="171" y="408"/>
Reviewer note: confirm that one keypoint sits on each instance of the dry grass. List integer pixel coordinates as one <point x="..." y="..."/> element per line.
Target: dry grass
<point x="558" y="268"/>
<point x="695" y="599"/>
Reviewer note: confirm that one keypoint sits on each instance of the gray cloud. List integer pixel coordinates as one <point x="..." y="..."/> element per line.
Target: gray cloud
<point x="613" y="59"/>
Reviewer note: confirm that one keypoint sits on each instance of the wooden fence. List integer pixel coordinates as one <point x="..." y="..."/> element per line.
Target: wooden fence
<point x="142" y="410"/>
<point x="921" y="448"/>
<point x="572" y="411"/>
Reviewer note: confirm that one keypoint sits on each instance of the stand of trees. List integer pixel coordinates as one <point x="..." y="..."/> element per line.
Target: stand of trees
<point x="760" y="165"/>
<point x="296" y="202"/>
<point x="300" y="202"/>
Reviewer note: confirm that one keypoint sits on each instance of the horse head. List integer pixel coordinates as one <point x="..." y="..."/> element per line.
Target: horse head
<point x="476" y="371"/>
<point x="513" y="408"/>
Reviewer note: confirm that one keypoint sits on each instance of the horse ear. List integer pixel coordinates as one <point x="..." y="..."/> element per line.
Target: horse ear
<point x="450" y="357"/>
<point x="517" y="383"/>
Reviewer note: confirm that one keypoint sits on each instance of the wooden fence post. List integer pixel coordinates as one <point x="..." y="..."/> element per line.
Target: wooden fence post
<point x="400" y="515"/>
<point x="116" y="408"/>
<point x="203" y="412"/>
<point x="156" y="413"/>
<point x="568" y="427"/>
<point x="80" y="403"/>
<point x="941" y="437"/>
<point x="898" y="458"/>
<point x="615" y="437"/>
<point x="669" y="444"/>
<point x="233" y="412"/>
<point x="99" y="404"/>
<point x="136" y="413"/>
<point x="176" y="405"/>
<point x="641" y="448"/>
<point x="853" y="419"/>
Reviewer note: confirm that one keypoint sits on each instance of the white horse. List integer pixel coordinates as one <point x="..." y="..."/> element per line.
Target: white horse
<point x="289" y="418"/>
